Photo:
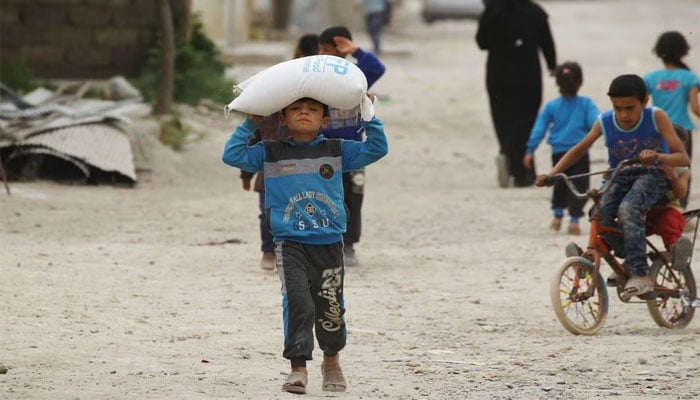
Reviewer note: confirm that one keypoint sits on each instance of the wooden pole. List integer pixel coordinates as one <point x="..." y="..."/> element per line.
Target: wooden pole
<point x="4" y="178"/>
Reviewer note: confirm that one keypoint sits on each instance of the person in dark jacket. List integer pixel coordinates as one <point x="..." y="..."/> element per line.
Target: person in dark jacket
<point x="514" y="32"/>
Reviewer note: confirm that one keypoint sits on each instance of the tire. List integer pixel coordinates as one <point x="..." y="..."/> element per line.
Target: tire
<point x="583" y="314"/>
<point x="667" y="308"/>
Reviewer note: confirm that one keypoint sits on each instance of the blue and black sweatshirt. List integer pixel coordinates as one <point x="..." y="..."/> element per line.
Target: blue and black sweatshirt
<point x="303" y="180"/>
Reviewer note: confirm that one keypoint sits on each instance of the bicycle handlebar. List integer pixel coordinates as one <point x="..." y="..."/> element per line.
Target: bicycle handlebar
<point x="550" y="180"/>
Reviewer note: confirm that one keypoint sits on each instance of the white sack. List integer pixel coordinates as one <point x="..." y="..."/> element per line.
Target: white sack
<point x="329" y="79"/>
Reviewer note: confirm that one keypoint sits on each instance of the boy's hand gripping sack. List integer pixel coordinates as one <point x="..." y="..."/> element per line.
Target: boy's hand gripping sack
<point x="331" y="80"/>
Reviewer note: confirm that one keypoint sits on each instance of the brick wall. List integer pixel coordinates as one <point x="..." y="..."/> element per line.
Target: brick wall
<point x="79" y="39"/>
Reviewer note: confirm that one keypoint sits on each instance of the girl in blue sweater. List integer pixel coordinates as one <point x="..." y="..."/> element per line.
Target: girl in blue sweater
<point x="675" y="88"/>
<point x="567" y="118"/>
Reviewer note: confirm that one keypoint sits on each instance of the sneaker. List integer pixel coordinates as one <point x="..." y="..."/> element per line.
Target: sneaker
<point x="267" y="262"/>
<point x="503" y="171"/>
<point x="682" y="252"/>
<point x="637" y="286"/>
<point x="573" y="250"/>
<point x="350" y="256"/>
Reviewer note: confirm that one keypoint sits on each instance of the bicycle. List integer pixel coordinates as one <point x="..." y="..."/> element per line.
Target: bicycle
<point x="579" y="293"/>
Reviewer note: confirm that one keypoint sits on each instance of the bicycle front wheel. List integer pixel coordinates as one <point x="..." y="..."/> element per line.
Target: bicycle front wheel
<point x="580" y="302"/>
<point x="670" y="307"/>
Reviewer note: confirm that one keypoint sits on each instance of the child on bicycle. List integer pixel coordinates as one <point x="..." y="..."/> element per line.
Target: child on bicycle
<point x="631" y="130"/>
<point x="666" y="218"/>
<point x="567" y="118"/>
<point x="304" y="202"/>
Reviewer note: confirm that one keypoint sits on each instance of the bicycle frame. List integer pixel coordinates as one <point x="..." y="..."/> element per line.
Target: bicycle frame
<point x="597" y="248"/>
<point x="578" y="291"/>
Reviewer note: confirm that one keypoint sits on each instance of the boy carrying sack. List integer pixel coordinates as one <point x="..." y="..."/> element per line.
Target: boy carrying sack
<point x="304" y="202"/>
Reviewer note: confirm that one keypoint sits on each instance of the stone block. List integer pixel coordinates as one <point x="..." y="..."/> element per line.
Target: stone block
<point x="88" y="56"/>
<point x="114" y="3"/>
<point x="9" y="14"/>
<point x="145" y="15"/>
<point x="52" y="2"/>
<point x="90" y="16"/>
<point x="128" y="60"/>
<point x="17" y="35"/>
<point x="42" y="55"/>
<point x="69" y="36"/>
<point x="117" y="37"/>
<point x="45" y="16"/>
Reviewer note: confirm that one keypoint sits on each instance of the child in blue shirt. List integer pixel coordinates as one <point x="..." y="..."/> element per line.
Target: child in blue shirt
<point x="304" y="202"/>
<point x="346" y="124"/>
<point x="675" y="87"/>
<point x="631" y="130"/>
<point x="567" y="118"/>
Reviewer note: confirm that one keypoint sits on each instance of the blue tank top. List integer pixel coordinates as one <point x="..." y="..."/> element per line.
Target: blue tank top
<point x="623" y="144"/>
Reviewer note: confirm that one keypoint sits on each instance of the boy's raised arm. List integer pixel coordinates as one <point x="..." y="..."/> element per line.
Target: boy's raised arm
<point x="357" y="155"/>
<point x="237" y="153"/>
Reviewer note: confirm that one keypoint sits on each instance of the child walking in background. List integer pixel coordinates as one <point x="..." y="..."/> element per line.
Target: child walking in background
<point x="345" y="124"/>
<point x="631" y="130"/>
<point x="675" y="87"/>
<point x="567" y="118"/>
<point x="270" y="129"/>
<point x="304" y="203"/>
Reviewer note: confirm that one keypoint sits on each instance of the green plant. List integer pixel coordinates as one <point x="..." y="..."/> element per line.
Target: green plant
<point x="16" y="76"/>
<point x="172" y="132"/>
<point x="199" y="71"/>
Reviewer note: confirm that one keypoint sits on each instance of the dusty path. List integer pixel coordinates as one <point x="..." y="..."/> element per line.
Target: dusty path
<point x="116" y="293"/>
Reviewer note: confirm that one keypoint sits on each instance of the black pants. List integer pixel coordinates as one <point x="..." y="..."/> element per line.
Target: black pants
<point x="513" y="115"/>
<point x="354" y="188"/>
<point x="312" y="297"/>
<point x="562" y="197"/>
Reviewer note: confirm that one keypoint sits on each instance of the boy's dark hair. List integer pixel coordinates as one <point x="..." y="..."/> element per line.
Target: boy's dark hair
<point x="628" y="85"/>
<point x="682" y="133"/>
<point x="326" y="111"/>
<point x="307" y="45"/>
<point x="569" y="78"/>
<point x="670" y="47"/>
<point x="327" y="35"/>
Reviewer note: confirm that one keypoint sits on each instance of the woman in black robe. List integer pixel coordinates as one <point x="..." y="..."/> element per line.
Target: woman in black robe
<point x="513" y="32"/>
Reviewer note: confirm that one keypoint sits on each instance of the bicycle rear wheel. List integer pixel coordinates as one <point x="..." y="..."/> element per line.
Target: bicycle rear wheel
<point x="670" y="307"/>
<point x="580" y="302"/>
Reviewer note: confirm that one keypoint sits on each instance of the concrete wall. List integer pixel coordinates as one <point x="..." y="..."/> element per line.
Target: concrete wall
<point x="231" y="23"/>
<point x="79" y="38"/>
<point x="82" y="39"/>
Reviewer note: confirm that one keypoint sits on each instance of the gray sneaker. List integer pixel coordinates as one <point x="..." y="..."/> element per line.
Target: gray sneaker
<point x="637" y="286"/>
<point x="573" y="250"/>
<point x="681" y="253"/>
